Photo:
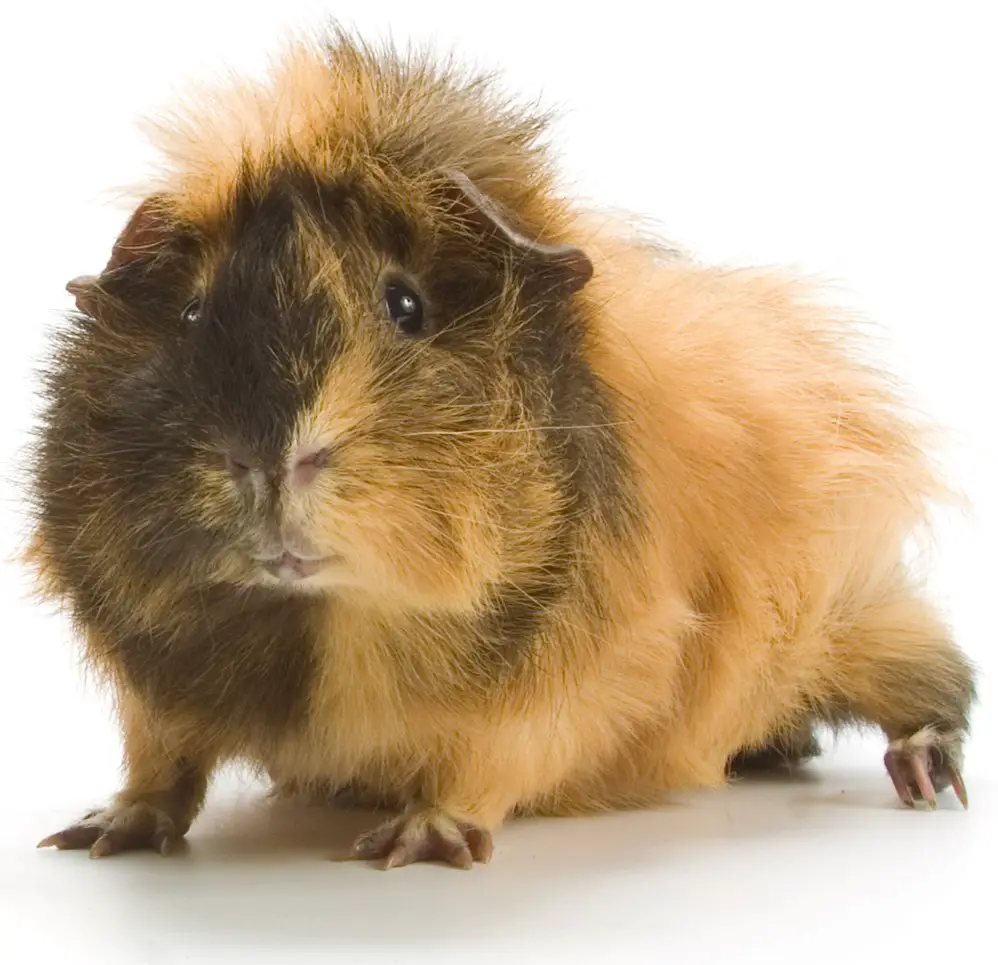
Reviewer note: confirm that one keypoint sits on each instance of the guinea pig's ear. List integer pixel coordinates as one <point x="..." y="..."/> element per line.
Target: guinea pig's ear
<point x="146" y="231"/>
<point x="551" y="270"/>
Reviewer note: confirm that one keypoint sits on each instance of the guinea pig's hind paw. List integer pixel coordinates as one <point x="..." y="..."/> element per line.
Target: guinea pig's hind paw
<point x="425" y="835"/>
<point x="924" y="763"/>
<point x="123" y="828"/>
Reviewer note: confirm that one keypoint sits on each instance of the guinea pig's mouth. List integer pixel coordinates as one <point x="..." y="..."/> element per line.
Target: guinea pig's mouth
<point x="290" y="568"/>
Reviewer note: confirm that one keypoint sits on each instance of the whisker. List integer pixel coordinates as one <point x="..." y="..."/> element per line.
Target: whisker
<point x="467" y="432"/>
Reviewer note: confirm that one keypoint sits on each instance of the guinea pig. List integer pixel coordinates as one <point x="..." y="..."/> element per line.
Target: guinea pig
<point x="373" y="461"/>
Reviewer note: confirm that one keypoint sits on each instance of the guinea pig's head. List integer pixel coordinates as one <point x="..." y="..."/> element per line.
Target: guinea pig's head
<point x="358" y="370"/>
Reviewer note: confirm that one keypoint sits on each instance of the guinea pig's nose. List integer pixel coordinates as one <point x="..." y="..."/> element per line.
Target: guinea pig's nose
<point x="306" y="463"/>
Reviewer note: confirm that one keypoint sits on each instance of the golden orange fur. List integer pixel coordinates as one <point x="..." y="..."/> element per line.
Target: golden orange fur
<point x="777" y="480"/>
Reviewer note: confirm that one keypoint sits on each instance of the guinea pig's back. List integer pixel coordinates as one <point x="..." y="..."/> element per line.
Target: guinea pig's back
<point x="763" y="433"/>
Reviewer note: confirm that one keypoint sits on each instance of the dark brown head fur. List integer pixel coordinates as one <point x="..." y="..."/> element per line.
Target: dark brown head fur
<point x="241" y="322"/>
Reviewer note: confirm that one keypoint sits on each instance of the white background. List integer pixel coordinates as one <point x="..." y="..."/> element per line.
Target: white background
<point x="854" y="140"/>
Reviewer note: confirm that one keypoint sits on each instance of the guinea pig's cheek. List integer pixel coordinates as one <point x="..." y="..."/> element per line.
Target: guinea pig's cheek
<point x="413" y="559"/>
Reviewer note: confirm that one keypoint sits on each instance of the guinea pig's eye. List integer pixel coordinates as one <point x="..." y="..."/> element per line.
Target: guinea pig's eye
<point x="192" y="311"/>
<point x="404" y="309"/>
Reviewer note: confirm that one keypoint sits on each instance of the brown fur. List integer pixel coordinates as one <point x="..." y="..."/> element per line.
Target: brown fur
<point x="739" y="578"/>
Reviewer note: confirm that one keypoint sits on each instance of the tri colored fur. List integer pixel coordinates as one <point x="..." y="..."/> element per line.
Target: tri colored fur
<point x="594" y="539"/>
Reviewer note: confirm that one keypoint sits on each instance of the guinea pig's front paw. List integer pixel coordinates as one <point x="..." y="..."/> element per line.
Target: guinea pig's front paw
<point x="120" y="827"/>
<point x="425" y="834"/>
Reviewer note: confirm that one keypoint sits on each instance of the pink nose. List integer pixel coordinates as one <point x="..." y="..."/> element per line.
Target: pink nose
<point x="306" y="464"/>
<point x="303" y="466"/>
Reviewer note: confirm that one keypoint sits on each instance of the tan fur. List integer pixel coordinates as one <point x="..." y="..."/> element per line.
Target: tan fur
<point x="214" y="137"/>
<point x="778" y="479"/>
<point x="792" y="485"/>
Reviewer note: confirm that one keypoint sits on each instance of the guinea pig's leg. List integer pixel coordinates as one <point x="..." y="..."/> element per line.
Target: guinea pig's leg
<point x="167" y="766"/>
<point x="896" y="666"/>
<point x="784" y="751"/>
<point x="461" y="800"/>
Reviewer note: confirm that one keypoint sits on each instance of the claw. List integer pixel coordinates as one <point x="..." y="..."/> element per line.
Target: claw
<point x="398" y="857"/>
<point x="373" y="843"/>
<point x="479" y="843"/>
<point x="163" y="842"/>
<point x="458" y="856"/>
<point x="71" y="839"/>
<point x="923" y="780"/>
<point x="959" y="787"/>
<point x="900" y="784"/>
<point x="104" y="846"/>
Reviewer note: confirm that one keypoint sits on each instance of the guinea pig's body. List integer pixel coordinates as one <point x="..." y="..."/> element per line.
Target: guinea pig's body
<point x="371" y="461"/>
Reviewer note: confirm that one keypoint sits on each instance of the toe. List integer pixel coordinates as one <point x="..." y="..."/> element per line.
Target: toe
<point x="479" y="842"/>
<point x="445" y="841"/>
<point x="71" y="839"/>
<point x="398" y="857"/>
<point x="377" y="843"/>
<point x="111" y="842"/>
<point x="957" y="782"/>
<point x="105" y="845"/>
<point x="897" y="771"/>
<point x="923" y="779"/>
<point x="164" y="840"/>
<point x="456" y="853"/>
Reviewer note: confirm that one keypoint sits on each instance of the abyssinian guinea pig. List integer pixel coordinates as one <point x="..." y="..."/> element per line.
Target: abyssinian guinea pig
<point x="372" y="461"/>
